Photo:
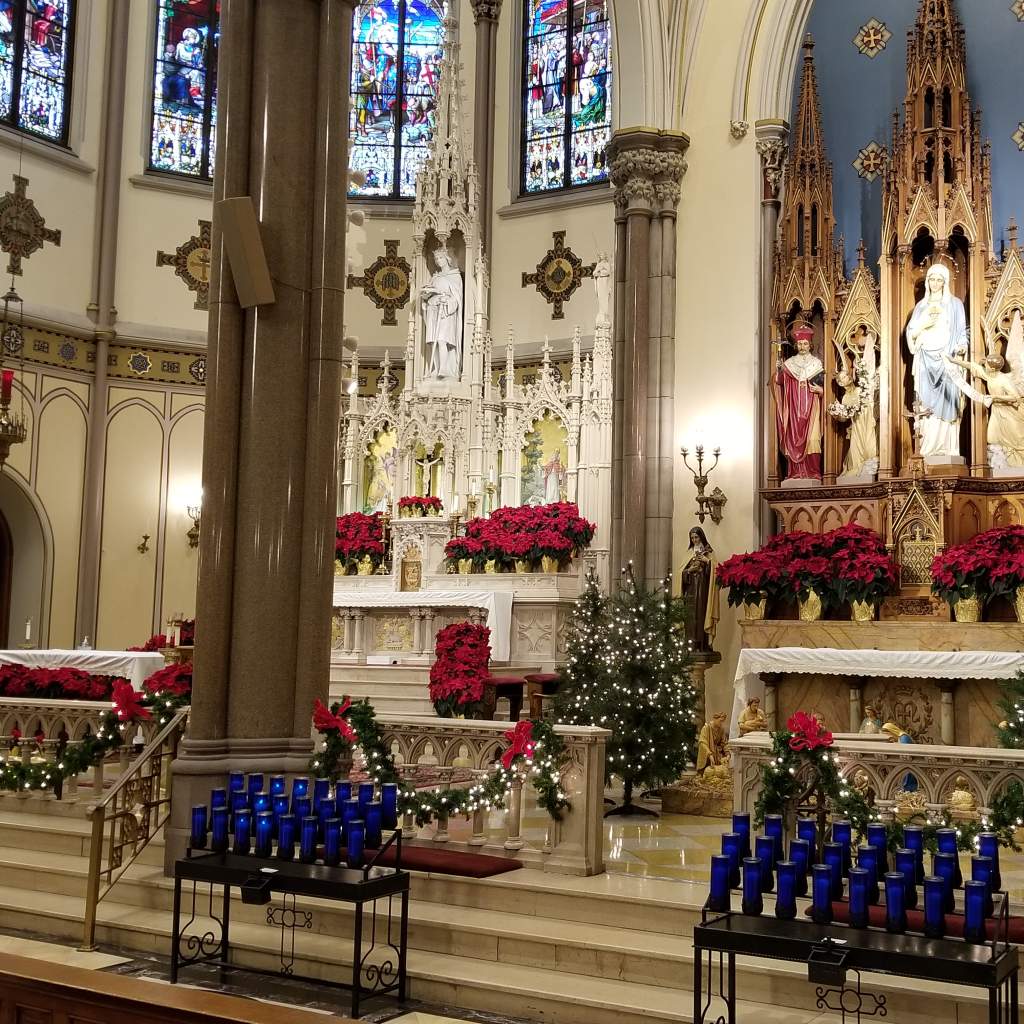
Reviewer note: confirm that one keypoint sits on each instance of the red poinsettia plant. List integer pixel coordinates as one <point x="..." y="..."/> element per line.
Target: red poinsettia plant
<point x="459" y="548"/>
<point x="420" y="506"/>
<point x="156" y="642"/>
<point x="459" y="673"/>
<point x="990" y="564"/>
<point x="170" y="681"/>
<point x="54" y="683"/>
<point x="807" y="732"/>
<point x="359" y="536"/>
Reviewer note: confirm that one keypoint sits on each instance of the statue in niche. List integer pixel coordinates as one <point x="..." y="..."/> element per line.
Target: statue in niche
<point x="938" y="329"/>
<point x="859" y="381"/>
<point x="603" y="288"/>
<point x="442" y="316"/>
<point x="426" y="466"/>
<point x="380" y="464"/>
<point x="798" y="386"/>
<point x="700" y="593"/>
<point x="554" y="479"/>
<point x="1005" y="398"/>
<point x="711" y="743"/>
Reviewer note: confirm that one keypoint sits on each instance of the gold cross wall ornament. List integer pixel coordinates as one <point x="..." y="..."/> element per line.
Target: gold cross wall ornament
<point x="22" y="228"/>
<point x="386" y="282"/>
<point x="191" y="262"/>
<point x="558" y="275"/>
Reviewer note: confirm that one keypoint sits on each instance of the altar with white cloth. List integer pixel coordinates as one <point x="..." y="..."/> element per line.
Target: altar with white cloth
<point x="135" y="666"/>
<point x="761" y="671"/>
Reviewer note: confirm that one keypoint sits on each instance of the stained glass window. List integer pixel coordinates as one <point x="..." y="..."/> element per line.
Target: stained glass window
<point x="396" y="52"/>
<point x="567" y="86"/>
<point x="185" y="87"/>
<point x="35" y="66"/>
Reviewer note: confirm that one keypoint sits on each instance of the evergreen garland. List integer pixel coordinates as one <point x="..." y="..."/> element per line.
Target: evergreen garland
<point x="1011" y="703"/>
<point x="627" y="671"/>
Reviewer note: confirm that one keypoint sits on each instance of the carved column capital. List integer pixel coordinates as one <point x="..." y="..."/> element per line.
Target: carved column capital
<point x="485" y="10"/>
<point x="772" y="137"/>
<point x="647" y="168"/>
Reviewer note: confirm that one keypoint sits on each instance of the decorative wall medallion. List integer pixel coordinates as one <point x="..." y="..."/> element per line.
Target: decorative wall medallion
<point x="1018" y="9"/>
<point x="871" y="161"/>
<point x="13" y="339"/>
<point x="1018" y="135"/>
<point x="558" y="274"/>
<point x="67" y="351"/>
<point x="139" y="363"/>
<point x="22" y="228"/>
<point x="386" y="282"/>
<point x="872" y="37"/>
<point x="191" y="262"/>
<point x="197" y="369"/>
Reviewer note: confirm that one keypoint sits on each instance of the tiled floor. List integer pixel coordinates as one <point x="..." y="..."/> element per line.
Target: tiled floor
<point x="55" y="953"/>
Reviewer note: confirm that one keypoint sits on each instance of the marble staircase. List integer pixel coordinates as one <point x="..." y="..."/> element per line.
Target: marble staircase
<point x="611" y="949"/>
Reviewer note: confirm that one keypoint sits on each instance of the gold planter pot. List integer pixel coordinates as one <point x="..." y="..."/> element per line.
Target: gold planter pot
<point x="755" y="610"/>
<point x="1018" y="604"/>
<point x="523" y="566"/>
<point x="465" y="566"/>
<point x="490" y="566"/>
<point x="810" y="608"/>
<point x="340" y="569"/>
<point x="365" y="566"/>
<point x="967" y="609"/>
<point x="548" y="564"/>
<point x="862" y="611"/>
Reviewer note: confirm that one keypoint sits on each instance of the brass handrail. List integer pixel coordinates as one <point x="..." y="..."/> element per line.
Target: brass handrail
<point x="136" y="808"/>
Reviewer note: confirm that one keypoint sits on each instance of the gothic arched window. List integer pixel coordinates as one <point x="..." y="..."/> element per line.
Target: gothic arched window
<point x="36" y="40"/>
<point x="185" y="87"/>
<point x="567" y="85"/>
<point x="392" y="116"/>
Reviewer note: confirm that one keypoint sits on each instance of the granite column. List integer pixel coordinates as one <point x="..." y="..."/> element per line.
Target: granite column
<point x="273" y="400"/>
<point x="485" y="16"/>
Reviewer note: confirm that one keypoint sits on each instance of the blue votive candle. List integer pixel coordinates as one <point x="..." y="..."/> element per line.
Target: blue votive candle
<point x="197" y="836"/>
<point x="389" y="811"/>
<point x="785" y="898"/>
<point x="326" y="810"/>
<point x="878" y="838"/>
<point x="286" y="837"/>
<point x="842" y="833"/>
<point x="753" y="903"/>
<point x="321" y="791"/>
<point x="302" y="806"/>
<point x="859" y="897"/>
<point x="243" y="827"/>
<point x="365" y="794"/>
<point x="236" y="782"/>
<point x="280" y="807"/>
<point x="261" y="802"/>
<point x="349" y="813"/>
<point x="821" y="894"/>
<point x="947" y="844"/>
<point x="913" y="839"/>
<point x="807" y="828"/>
<point x="342" y="791"/>
<point x="219" y="829"/>
<point x="239" y="802"/>
<point x="719" y="898"/>
<point x="278" y="785"/>
<point x="800" y="854"/>
<point x="773" y="826"/>
<point x="373" y="825"/>
<point x="300" y="787"/>
<point x="741" y="824"/>
<point x="867" y="858"/>
<point x="975" y="894"/>
<point x="934" y="907"/>
<point x="254" y="785"/>
<point x="764" y="849"/>
<point x="354" y="843"/>
<point x="218" y="798"/>
<point x="832" y="855"/>
<point x="895" y="902"/>
<point x="906" y="862"/>
<point x="332" y="842"/>
<point x="988" y="846"/>
<point x="307" y="839"/>
<point x="945" y="866"/>
<point x="731" y="849"/>
<point x="981" y="871"/>
<point x="264" y="833"/>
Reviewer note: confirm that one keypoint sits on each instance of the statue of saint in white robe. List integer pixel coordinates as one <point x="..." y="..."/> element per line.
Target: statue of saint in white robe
<point x="442" y="315"/>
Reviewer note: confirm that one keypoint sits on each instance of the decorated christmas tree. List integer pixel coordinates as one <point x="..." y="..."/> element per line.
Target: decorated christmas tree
<point x="1011" y="704"/>
<point x="627" y="671"/>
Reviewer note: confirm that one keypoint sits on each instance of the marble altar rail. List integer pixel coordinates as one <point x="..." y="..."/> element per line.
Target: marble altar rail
<point x="574" y="845"/>
<point x="863" y="761"/>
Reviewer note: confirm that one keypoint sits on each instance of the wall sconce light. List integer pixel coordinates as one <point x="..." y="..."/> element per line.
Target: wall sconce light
<point x="144" y="546"/>
<point x="707" y="504"/>
<point x="194" y="512"/>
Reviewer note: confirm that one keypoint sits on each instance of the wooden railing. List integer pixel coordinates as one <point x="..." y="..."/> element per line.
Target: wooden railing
<point x="129" y="816"/>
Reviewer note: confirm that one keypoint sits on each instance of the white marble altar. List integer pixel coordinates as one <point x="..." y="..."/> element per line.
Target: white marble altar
<point x="135" y="666"/>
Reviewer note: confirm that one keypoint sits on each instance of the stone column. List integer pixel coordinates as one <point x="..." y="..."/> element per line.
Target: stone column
<point x="771" y="147"/>
<point x="104" y="313"/>
<point x="485" y="17"/>
<point x="646" y="168"/>
<point x="272" y="402"/>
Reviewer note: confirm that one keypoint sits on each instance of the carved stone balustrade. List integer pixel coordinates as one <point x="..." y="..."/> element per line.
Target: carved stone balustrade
<point x="572" y="846"/>
<point x="882" y="766"/>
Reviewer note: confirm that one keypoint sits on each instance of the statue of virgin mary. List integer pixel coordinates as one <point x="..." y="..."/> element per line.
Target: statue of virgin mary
<point x="938" y="329"/>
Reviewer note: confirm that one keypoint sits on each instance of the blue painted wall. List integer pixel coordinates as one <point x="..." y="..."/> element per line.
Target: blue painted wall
<point x="859" y="94"/>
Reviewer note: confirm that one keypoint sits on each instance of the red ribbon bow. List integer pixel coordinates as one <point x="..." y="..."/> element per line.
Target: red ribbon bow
<point x="127" y="703"/>
<point x="808" y="734"/>
<point x="326" y="720"/>
<point x="522" y="744"/>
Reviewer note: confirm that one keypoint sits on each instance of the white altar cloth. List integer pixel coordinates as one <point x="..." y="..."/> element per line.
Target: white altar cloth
<point x="498" y="606"/>
<point x="135" y="666"/>
<point x="833" y="661"/>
